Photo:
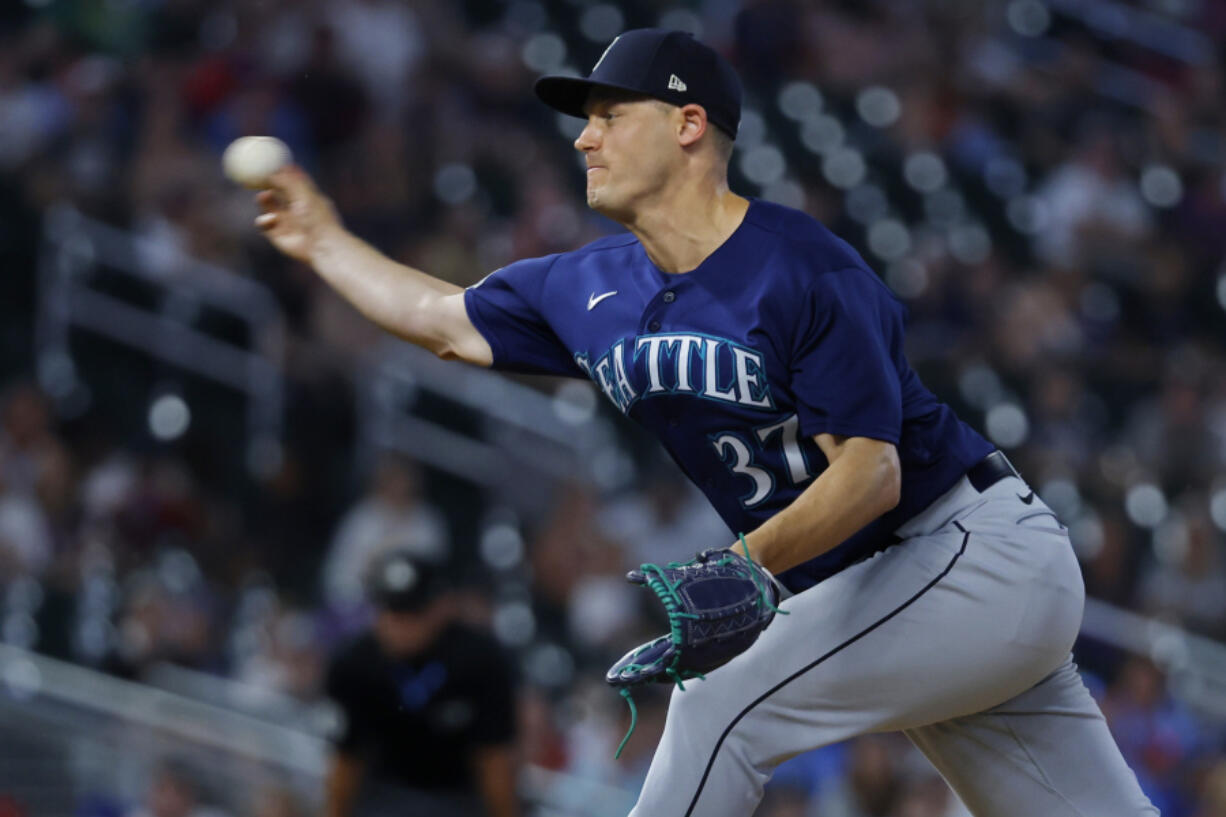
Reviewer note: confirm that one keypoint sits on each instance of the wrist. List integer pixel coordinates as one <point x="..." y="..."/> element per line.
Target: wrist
<point x="750" y="545"/>
<point x="328" y="240"/>
<point x="744" y="543"/>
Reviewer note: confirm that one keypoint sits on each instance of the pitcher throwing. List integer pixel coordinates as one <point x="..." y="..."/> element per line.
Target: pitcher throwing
<point x="934" y="593"/>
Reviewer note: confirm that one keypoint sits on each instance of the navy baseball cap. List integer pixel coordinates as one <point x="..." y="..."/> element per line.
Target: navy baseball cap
<point x="667" y="65"/>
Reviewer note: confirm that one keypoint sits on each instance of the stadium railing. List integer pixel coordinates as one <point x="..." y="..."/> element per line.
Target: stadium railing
<point x="158" y="303"/>
<point x="71" y="736"/>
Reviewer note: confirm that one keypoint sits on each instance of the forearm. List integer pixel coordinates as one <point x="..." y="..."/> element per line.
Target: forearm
<point x="854" y="490"/>
<point x="341" y="786"/>
<point x="303" y="224"/>
<point x="495" y="771"/>
<point x="396" y="297"/>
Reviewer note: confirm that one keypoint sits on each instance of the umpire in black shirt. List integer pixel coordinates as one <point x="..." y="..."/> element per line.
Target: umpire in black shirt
<point x="428" y="704"/>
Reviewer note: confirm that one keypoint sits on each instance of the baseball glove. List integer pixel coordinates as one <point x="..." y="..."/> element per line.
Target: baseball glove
<point x="718" y="604"/>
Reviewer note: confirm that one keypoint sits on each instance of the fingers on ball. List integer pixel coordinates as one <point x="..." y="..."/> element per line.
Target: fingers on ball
<point x="270" y="201"/>
<point x="287" y="179"/>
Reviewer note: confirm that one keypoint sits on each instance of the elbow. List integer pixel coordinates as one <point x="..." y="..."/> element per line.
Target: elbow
<point x="437" y="346"/>
<point x="443" y="351"/>
<point x="890" y="481"/>
<point x="475" y="351"/>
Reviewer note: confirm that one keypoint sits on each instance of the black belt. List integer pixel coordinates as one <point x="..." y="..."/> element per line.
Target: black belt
<point x="991" y="470"/>
<point x="982" y="475"/>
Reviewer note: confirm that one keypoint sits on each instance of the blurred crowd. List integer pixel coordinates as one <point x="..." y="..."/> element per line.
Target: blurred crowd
<point x="1045" y="191"/>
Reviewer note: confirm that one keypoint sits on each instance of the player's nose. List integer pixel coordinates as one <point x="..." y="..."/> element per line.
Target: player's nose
<point x="588" y="138"/>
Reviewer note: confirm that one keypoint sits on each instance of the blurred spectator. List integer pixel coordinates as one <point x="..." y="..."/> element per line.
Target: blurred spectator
<point x="381" y="42"/>
<point x="107" y="484"/>
<point x="1212" y="800"/>
<point x="27" y="440"/>
<point x="594" y="724"/>
<point x="428" y="707"/>
<point x="175" y="791"/>
<point x="1189" y="582"/>
<point x="1089" y="202"/>
<point x="25" y="536"/>
<point x="1109" y="558"/>
<point x="11" y="807"/>
<point x="168" y="614"/>
<point x="562" y="555"/>
<point x="872" y="787"/>
<point x="333" y="104"/>
<point x="287" y="656"/>
<point x="1156" y="735"/>
<point x="164" y="507"/>
<point x="541" y="742"/>
<point x="665" y="519"/>
<point x="784" y="801"/>
<point x="278" y="801"/>
<point x="393" y="514"/>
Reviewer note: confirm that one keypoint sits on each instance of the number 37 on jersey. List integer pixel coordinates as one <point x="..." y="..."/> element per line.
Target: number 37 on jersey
<point x="689" y="365"/>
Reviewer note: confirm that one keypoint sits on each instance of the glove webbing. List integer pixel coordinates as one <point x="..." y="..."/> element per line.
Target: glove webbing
<point x="658" y="582"/>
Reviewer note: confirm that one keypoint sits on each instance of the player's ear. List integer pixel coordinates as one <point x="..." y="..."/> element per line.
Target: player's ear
<point x="692" y="125"/>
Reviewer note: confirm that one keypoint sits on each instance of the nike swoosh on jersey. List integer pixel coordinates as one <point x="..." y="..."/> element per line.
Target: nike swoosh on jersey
<point x="594" y="299"/>
<point x="1027" y="499"/>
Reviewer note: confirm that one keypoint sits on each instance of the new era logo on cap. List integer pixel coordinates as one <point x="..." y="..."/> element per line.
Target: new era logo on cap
<point x="675" y="83"/>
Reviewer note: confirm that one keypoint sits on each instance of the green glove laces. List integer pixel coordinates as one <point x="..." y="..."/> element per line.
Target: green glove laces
<point x="657" y="580"/>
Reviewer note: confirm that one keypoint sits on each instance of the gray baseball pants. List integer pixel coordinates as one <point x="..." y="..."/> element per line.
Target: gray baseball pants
<point x="959" y="637"/>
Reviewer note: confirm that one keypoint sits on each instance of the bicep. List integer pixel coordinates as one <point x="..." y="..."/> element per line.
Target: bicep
<point x="458" y="337"/>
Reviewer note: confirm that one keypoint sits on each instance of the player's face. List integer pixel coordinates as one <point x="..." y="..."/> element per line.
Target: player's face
<point x="631" y="150"/>
<point x="403" y="634"/>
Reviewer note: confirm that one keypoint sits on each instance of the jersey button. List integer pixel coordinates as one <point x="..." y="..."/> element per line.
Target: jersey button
<point x="654" y="326"/>
<point x="669" y="297"/>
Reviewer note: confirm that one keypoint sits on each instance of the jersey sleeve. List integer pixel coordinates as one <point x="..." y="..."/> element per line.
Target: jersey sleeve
<point x="506" y="307"/>
<point x="844" y="365"/>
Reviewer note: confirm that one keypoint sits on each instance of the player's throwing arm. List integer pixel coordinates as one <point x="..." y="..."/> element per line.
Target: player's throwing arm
<point x="301" y="222"/>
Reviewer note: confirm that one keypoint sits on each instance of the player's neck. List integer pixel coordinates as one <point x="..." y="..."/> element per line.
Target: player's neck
<point x="679" y="234"/>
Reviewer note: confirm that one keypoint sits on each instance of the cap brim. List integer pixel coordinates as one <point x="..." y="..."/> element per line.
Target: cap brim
<point x="569" y="94"/>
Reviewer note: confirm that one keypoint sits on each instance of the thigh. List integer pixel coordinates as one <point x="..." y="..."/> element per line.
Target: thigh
<point x="834" y="666"/>
<point x="923" y="632"/>
<point x="1047" y="751"/>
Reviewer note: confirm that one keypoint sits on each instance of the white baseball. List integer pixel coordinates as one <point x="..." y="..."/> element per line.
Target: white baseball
<point x="250" y="160"/>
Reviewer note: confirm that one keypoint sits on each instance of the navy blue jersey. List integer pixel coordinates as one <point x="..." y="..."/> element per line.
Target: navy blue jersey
<point x="780" y="334"/>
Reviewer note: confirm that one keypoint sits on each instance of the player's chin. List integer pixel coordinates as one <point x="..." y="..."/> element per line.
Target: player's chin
<point x="597" y="201"/>
<point x="600" y="199"/>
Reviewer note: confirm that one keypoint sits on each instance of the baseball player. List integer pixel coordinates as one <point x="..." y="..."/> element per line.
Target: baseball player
<point x="934" y="592"/>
